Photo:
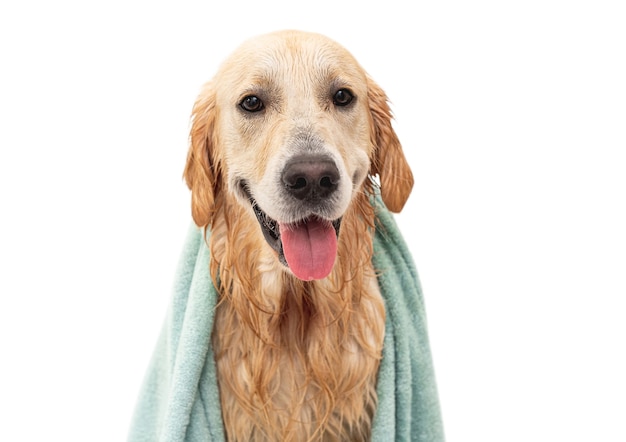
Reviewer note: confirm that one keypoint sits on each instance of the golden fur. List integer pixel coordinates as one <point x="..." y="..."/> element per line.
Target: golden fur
<point x="297" y="360"/>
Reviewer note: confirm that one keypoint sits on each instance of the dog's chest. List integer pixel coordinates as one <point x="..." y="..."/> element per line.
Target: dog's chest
<point x="307" y="371"/>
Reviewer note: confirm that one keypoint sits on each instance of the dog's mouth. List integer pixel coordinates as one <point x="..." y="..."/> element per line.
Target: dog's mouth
<point x="308" y="247"/>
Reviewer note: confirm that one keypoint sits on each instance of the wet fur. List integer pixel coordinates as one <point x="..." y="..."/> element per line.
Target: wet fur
<point x="296" y="360"/>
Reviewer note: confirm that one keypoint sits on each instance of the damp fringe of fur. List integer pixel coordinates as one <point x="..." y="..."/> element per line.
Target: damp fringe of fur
<point x="311" y="341"/>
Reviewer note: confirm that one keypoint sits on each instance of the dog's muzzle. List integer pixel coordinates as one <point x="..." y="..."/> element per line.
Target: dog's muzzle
<point x="308" y="246"/>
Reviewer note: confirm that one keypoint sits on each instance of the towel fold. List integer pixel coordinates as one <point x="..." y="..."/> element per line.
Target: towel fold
<point x="179" y="400"/>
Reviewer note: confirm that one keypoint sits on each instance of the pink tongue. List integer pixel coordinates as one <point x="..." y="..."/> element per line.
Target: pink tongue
<point x="310" y="248"/>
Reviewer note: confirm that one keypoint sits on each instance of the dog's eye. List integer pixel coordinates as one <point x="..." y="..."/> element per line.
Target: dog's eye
<point x="251" y="103"/>
<point x="343" y="97"/>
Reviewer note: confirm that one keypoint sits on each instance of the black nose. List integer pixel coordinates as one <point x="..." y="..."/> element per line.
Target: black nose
<point x="310" y="177"/>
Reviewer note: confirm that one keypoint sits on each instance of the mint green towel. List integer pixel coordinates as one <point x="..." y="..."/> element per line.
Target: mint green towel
<point x="179" y="400"/>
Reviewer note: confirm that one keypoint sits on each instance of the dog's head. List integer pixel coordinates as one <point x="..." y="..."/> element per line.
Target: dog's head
<point x="292" y="126"/>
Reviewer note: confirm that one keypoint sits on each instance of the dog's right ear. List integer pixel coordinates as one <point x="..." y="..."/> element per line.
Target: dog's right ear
<point x="202" y="170"/>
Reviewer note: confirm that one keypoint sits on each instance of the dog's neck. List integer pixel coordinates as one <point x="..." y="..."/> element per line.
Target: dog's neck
<point x="310" y="349"/>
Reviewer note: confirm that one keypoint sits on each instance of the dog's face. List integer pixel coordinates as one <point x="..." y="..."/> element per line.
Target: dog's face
<point x="291" y="125"/>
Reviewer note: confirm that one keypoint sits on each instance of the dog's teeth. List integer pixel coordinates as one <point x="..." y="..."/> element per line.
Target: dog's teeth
<point x="267" y="223"/>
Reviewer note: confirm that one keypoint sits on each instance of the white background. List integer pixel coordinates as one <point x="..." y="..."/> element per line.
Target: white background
<point x="512" y="115"/>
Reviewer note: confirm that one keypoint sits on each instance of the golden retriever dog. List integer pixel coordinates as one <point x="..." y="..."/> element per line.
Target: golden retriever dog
<point x="288" y="142"/>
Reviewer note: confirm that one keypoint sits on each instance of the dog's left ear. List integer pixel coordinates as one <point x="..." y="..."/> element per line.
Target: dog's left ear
<point x="388" y="162"/>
